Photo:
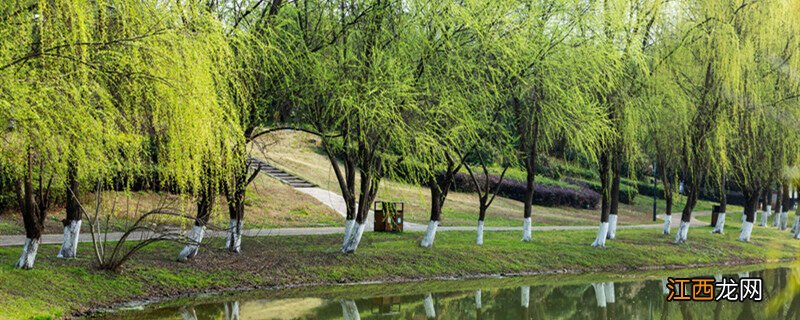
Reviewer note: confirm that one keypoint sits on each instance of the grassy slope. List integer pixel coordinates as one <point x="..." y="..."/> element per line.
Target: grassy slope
<point x="297" y="153"/>
<point x="57" y="288"/>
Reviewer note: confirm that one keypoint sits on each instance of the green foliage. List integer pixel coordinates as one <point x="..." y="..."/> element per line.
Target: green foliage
<point x="627" y="193"/>
<point x="113" y="86"/>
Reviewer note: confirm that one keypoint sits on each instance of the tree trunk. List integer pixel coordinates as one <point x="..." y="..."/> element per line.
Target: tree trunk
<point x="778" y="209"/>
<point x="605" y="202"/>
<point x="348" y="193"/>
<point x="205" y="204"/>
<point x="786" y="205"/>
<point x="437" y="199"/>
<point x="766" y="207"/>
<point x="349" y="310"/>
<point x="430" y="310"/>
<point x="33" y="205"/>
<point x="719" y="226"/>
<point x="440" y="186"/>
<point x="530" y="166"/>
<point x="72" y="222"/>
<point x="235" y="195"/>
<point x="368" y="191"/>
<point x="750" y="208"/>
<point x="231" y="310"/>
<point x="693" y="189"/>
<point x="723" y="197"/>
<point x="481" y="217"/>
<point x="616" y="167"/>
<point x="666" y="180"/>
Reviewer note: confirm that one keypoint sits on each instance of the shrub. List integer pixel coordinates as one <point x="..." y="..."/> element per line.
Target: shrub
<point x="521" y="176"/>
<point x="544" y="195"/>
<point x="575" y="171"/>
<point x="732" y="197"/>
<point x="626" y="193"/>
<point x="552" y="171"/>
<point x="646" y="189"/>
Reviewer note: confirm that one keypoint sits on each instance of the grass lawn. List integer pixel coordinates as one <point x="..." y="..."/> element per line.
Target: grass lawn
<point x="56" y="288"/>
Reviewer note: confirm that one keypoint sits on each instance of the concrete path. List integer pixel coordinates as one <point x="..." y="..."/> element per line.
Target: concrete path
<point x="18" y="240"/>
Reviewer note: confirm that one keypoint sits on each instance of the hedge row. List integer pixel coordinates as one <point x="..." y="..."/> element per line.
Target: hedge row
<point x="646" y="189"/>
<point x="626" y="193"/>
<point x="543" y="195"/>
<point x="557" y="171"/>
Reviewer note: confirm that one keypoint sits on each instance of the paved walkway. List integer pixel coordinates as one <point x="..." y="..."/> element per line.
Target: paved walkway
<point x="18" y="240"/>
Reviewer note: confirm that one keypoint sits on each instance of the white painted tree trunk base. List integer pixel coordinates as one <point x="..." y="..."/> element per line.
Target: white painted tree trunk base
<point x="765" y="217"/>
<point x="683" y="232"/>
<point x="478" y="297"/>
<point x="612" y="227"/>
<point x="430" y="234"/>
<point x="355" y="238"/>
<point x="610" y="296"/>
<point x="526" y="230"/>
<point x="667" y="223"/>
<point x="525" y="296"/>
<point x="430" y="311"/>
<point x="191" y="248"/>
<point x="600" y="294"/>
<point x="232" y="310"/>
<point x="188" y="313"/>
<point x="784" y="220"/>
<point x="479" y="239"/>
<point x="28" y="255"/>
<point x="69" y="248"/>
<point x="720" y="226"/>
<point x="349" y="310"/>
<point x="797" y="227"/>
<point x="234" y="241"/>
<point x="600" y="240"/>
<point x="777" y="219"/>
<point x="747" y="230"/>
<point x="348" y="230"/>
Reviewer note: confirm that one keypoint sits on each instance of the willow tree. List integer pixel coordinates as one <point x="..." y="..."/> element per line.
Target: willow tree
<point x="262" y="86"/>
<point x="450" y="90"/>
<point x="765" y="106"/>
<point x="536" y="52"/>
<point x="100" y="81"/>
<point x="358" y="92"/>
<point x="53" y="105"/>
<point x="665" y="123"/>
<point x="706" y="68"/>
<point x="626" y="32"/>
<point x="492" y="149"/>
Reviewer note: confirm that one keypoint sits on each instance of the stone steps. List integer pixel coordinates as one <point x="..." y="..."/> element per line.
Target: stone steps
<point x="282" y="176"/>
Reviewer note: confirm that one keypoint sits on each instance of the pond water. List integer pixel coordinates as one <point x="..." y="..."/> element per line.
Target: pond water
<point x="640" y="296"/>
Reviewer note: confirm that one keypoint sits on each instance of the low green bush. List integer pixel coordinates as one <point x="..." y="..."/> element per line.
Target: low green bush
<point x="576" y="171"/>
<point x="626" y="193"/>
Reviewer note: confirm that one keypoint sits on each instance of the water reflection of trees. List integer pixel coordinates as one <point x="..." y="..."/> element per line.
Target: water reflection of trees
<point x="602" y="300"/>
